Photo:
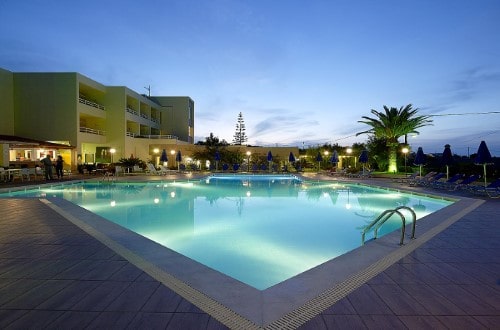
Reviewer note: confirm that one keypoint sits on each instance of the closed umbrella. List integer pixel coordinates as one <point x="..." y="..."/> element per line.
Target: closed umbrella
<point x="335" y="157"/>
<point x="363" y="158"/>
<point x="483" y="158"/>
<point x="291" y="159"/>
<point x="163" y="157"/>
<point x="270" y="159"/>
<point x="217" y="159"/>
<point x="447" y="159"/>
<point x="178" y="159"/>
<point x="319" y="159"/>
<point x="420" y="159"/>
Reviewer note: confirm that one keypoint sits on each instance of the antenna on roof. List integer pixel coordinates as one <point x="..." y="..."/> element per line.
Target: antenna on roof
<point x="149" y="90"/>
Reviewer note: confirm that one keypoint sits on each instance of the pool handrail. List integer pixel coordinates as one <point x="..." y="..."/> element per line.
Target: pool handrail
<point x="384" y="216"/>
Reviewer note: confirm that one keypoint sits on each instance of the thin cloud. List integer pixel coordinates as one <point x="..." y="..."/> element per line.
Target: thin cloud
<point x="281" y="123"/>
<point x="471" y="82"/>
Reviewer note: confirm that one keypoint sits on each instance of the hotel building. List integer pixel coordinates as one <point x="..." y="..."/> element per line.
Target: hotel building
<point x="85" y="121"/>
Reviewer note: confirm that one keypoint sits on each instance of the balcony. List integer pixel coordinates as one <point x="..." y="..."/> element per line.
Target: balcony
<point x="142" y="115"/>
<point x="132" y="111"/>
<point x="153" y="137"/>
<point x="92" y="131"/>
<point x="91" y="104"/>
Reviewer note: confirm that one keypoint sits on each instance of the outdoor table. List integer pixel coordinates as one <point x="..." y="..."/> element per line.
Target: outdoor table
<point x="11" y="171"/>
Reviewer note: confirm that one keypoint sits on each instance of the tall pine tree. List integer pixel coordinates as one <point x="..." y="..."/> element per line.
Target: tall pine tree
<point x="240" y="136"/>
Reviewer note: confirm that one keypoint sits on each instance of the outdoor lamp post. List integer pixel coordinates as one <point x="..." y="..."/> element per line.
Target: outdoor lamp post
<point x="405" y="151"/>
<point x="172" y="152"/>
<point x="112" y="152"/>
<point x="156" y="151"/>
<point x="248" y="161"/>
<point x="349" y="152"/>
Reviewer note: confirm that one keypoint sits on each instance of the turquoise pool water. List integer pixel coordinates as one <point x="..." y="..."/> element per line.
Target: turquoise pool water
<point x="260" y="230"/>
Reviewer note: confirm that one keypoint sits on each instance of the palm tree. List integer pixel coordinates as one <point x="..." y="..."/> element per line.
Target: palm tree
<point x="393" y="124"/>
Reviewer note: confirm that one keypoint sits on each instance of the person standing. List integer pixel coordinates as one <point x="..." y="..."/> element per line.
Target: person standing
<point x="47" y="165"/>
<point x="59" y="167"/>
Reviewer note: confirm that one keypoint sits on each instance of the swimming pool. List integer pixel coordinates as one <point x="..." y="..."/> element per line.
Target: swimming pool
<point x="260" y="230"/>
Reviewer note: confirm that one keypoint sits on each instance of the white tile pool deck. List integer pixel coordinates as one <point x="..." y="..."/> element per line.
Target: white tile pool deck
<point x="56" y="275"/>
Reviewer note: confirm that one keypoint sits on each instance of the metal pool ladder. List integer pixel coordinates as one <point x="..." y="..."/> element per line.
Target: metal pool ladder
<point x="384" y="216"/>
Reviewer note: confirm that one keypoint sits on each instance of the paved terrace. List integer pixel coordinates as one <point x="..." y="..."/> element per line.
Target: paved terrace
<point x="54" y="274"/>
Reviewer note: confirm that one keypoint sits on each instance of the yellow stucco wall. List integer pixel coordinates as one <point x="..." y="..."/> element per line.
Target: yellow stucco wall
<point x="6" y="102"/>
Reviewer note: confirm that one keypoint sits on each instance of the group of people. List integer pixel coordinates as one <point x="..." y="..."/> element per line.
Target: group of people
<point x="48" y="164"/>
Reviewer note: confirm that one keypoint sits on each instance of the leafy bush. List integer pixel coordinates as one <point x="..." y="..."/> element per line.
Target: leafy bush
<point x="131" y="162"/>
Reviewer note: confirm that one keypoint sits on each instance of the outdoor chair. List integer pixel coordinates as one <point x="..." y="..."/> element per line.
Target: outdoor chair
<point x="163" y="170"/>
<point x="465" y="183"/>
<point x="355" y="174"/>
<point x="407" y="179"/>
<point x="151" y="170"/>
<point x="435" y="178"/>
<point x="338" y="172"/>
<point x="32" y="173"/>
<point x="491" y="190"/>
<point x="366" y="174"/>
<point x="448" y="183"/>
<point x="119" y="170"/>
<point x="25" y="174"/>
<point x="137" y="169"/>
<point x="427" y="179"/>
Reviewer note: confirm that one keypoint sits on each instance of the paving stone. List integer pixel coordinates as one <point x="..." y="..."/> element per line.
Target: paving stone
<point x="134" y="297"/>
<point x="112" y="320"/>
<point x="162" y="300"/>
<point x="187" y="321"/>
<point x="150" y="320"/>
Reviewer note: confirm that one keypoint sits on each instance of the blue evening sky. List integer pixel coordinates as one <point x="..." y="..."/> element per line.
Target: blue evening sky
<point x="301" y="72"/>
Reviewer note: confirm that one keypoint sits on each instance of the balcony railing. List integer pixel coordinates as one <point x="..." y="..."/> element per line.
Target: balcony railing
<point x="91" y="104"/>
<point x="142" y="115"/>
<point x="92" y="131"/>
<point x="132" y="111"/>
<point x="153" y="136"/>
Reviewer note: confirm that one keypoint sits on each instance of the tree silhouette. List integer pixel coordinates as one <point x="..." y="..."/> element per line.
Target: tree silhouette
<point x="240" y="137"/>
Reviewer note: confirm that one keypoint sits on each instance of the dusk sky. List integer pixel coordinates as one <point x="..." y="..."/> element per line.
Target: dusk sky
<point x="301" y="72"/>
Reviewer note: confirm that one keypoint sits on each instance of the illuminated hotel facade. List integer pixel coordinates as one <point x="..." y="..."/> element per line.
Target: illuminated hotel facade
<point x="91" y="119"/>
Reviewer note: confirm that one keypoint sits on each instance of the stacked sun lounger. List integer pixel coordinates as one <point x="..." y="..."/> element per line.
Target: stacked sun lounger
<point x="427" y="179"/>
<point x="465" y="183"/>
<point x="447" y="183"/>
<point x="491" y="190"/>
<point x="407" y="179"/>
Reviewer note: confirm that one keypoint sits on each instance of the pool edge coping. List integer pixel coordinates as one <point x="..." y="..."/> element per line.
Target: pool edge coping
<point x="262" y="316"/>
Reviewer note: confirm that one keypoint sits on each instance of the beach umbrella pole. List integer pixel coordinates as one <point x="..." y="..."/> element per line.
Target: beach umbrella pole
<point x="484" y="167"/>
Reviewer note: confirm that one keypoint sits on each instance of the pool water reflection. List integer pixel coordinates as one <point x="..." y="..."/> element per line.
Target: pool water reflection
<point x="260" y="232"/>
